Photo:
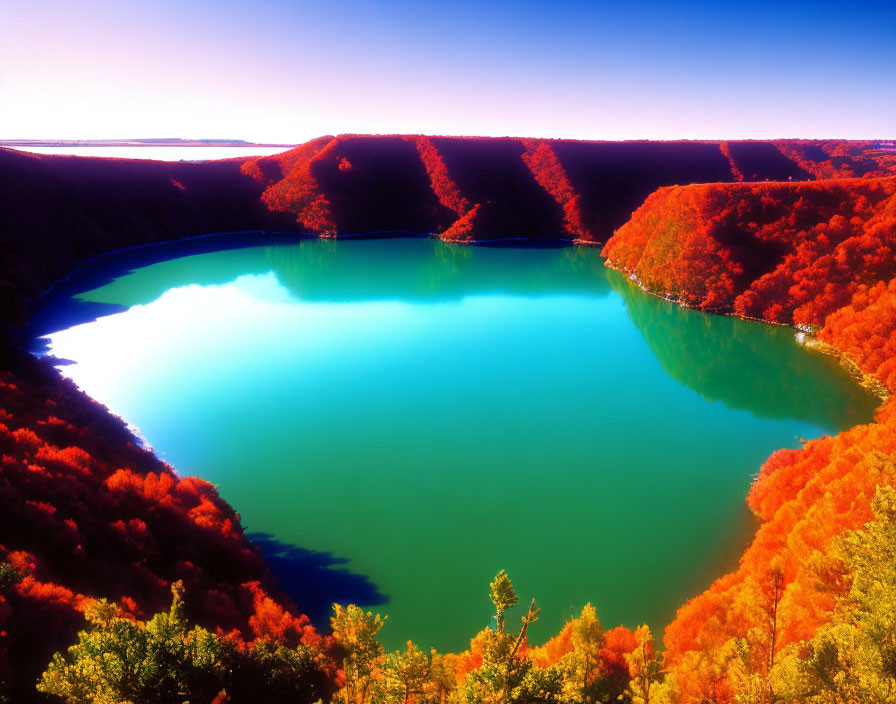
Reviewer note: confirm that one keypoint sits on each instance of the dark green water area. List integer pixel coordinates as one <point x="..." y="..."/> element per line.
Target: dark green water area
<point x="396" y="420"/>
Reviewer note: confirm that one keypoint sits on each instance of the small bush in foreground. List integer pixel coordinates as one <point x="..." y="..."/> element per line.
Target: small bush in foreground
<point x="164" y="661"/>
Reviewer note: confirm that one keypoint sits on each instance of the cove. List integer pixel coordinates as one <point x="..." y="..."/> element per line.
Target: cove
<point x="398" y="419"/>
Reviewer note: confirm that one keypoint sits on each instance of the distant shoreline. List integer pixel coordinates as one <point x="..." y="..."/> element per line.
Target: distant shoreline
<point x="166" y="142"/>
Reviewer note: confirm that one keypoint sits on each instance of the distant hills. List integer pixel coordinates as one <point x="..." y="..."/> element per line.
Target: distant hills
<point x="461" y="189"/>
<point x="472" y="189"/>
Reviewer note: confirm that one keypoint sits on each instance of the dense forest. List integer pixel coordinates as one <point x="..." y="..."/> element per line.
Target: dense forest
<point x="144" y="585"/>
<point x="787" y="253"/>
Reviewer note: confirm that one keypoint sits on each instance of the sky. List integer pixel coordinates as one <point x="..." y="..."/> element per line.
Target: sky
<point x="286" y="71"/>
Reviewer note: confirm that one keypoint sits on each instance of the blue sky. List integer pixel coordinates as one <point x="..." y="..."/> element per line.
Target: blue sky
<point x="274" y="70"/>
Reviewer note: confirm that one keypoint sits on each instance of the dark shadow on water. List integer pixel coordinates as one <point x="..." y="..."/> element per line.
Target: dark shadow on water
<point x="58" y="309"/>
<point x="67" y="313"/>
<point x="105" y="268"/>
<point x="315" y="580"/>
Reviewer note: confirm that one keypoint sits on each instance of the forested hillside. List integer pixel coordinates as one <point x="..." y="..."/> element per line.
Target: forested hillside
<point x="823" y="256"/>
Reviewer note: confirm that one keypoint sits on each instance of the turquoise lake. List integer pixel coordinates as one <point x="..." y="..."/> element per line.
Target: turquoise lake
<point x="396" y="420"/>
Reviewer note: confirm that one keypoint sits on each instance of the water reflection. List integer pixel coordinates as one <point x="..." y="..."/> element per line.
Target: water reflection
<point x="431" y="270"/>
<point x="746" y="365"/>
<point x="418" y="269"/>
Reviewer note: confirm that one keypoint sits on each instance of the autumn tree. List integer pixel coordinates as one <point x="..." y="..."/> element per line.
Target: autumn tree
<point x="506" y="676"/>
<point x="442" y="677"/>
<point x="117" y="659"/>
<point x="355" y="631"/>
<point x="645" y="666"/>
<point x="9" y="577"/>
<point x="165" y="661"/>
<point x="503" y="597"/>
<point x="403" y="676"/>
<point x="853" y="658"/>
<point x="581" y="667"/>
<point x="274" y="673"/>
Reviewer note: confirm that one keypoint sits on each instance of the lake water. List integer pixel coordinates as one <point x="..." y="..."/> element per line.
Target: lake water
<point x="396" y="420"/>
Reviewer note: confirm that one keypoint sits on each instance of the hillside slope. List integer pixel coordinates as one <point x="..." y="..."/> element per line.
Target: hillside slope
<point x="57" y="211"/>
<point x="494" y="188"/>
<point x="822" y="255"/>
<point x="88" y="514"/>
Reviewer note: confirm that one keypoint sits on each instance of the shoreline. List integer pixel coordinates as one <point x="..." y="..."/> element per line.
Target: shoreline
<point x="867" y="381"/>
